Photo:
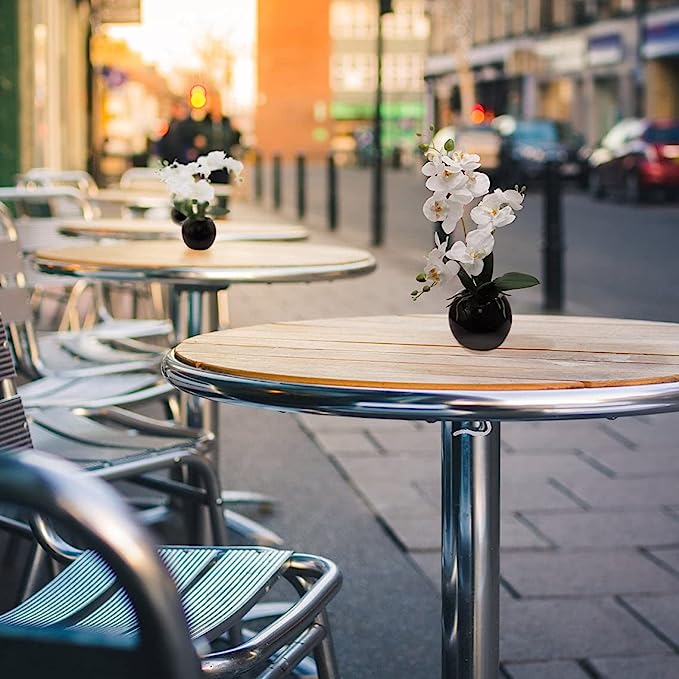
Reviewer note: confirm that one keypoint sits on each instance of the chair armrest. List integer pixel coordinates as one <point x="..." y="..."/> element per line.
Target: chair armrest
<point x="286" y="628"/>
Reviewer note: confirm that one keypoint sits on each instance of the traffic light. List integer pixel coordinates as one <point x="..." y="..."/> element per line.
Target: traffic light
<point x="478" y="114"/>
<point x="385" y="7"/>
<point x="197" y="96"/>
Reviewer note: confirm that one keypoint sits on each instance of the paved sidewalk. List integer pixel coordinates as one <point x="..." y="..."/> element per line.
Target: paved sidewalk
<point x="590" y="515"/>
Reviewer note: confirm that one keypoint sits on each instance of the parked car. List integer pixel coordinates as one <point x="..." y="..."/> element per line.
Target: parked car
<point x="483" y="140"/>
<point x="530" y="144"/>
<point x="636" y="158"/>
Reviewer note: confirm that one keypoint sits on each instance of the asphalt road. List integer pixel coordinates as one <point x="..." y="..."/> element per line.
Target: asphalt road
<point x="620" y="259"/>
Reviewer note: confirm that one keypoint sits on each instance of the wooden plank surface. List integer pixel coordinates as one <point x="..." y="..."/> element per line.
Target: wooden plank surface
<point x="138" y="228"/>
<point x="157" y="255"/>
<point x="418" y="352"/>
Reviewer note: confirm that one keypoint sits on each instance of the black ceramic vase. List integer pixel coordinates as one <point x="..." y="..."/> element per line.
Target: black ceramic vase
<point x="199" y="232"/>
<point x="177" y="216"/>
<point x="480" y="323"/>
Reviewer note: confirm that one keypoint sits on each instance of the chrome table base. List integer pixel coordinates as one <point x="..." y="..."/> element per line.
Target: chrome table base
<point x="470" y="549"/>
<point x="195" y="311"/>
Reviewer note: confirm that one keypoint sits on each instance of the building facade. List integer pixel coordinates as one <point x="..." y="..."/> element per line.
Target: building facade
<point x="586" y="62"/>
<point x="353" y="68"/>
<point x="293" y="89"/>
<point x="44" y="81"/>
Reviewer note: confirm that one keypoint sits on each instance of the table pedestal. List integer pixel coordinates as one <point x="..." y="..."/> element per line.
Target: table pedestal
<point x="470" y="549"/>
<point x="195" y="311"/>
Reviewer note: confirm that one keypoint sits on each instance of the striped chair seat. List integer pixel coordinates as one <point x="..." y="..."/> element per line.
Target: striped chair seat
<point x="217" y="587"/>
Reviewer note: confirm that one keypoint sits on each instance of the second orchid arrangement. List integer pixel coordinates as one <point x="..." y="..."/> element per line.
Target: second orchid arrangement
<point x="189" y="183"/>
<point x="469" y="215"/>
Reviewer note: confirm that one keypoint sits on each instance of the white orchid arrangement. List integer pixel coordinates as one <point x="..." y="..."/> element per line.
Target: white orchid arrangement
<point x="191" y="190"/>
<point x="469" y="215"/>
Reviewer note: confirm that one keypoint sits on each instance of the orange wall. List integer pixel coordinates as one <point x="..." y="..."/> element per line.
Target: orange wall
<point x="293" y="89"/>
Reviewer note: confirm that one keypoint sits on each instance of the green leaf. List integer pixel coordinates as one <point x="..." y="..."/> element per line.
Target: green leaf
<point x="449" y="145"/>
<point x="515" y="281"/>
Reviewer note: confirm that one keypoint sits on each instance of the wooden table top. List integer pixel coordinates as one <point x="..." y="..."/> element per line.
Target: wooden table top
<point x="418" y="352"/>
<point x="164" y="229"/>
<point x="225" y="261"/>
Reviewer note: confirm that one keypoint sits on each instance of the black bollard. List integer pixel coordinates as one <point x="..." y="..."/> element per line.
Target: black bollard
<point x="259" y="178"/>
<point x="332" y="193"/>
<point x="277" y="182"/>
<point x="301" y="186"/>
<point x="552" y="239"/>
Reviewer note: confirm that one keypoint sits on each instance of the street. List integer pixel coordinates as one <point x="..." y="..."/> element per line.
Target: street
<point x="618" y="257"/>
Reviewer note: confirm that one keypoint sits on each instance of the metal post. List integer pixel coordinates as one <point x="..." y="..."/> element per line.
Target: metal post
<point x="277" y="182"/>
<point x="553" y="239"/>
<point x="378" y="172"/>
<point x="200" y="315"/>
<point x="470" y="550"/>
<point x="332" y="193"/>
<point x="259" y="178"/>
<point x="301" y="186"/>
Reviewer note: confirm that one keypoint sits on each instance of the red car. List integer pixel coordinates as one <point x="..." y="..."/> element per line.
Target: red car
<point x="637" y="158"/>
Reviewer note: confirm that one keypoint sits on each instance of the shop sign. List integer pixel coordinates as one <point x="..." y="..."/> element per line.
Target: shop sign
<point x="118" y="11"/>
<point x="604" y="50"/>
<point x="661" y="38"/>
<point x="563" y="55"/>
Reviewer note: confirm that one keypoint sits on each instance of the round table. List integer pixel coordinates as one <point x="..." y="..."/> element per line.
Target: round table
<point x="151" y="229"/>
<point x="410" y="367"/>
<point x="196" y="277"/>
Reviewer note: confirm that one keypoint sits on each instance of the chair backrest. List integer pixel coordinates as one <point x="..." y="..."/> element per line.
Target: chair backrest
<point x="91" y="508"/>
<point x="16" y="310"/>
<point x="39" y="199"/>
<point x="43" y="176"/>
<point x="142" y="178"/>
<point x="14" y="431"/>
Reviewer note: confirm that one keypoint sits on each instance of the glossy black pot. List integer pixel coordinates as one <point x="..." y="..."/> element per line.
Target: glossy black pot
<point x="199" y="233"/>
<point x="479" y="323"/>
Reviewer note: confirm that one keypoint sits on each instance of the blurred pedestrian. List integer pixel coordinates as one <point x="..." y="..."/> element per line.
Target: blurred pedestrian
<point x="219" y="135"/>
<point x="178" y="141"/>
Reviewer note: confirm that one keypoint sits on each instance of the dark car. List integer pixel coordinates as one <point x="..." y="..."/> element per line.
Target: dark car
<point x="636" y="158"/>
<point x="530" y="144"/>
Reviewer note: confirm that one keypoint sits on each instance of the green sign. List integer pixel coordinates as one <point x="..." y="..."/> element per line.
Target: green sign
<point x="391" y="110"/>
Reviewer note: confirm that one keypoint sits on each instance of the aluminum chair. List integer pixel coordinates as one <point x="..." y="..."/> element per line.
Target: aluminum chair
<point x="117" y="612"/>
<point x="55" y="201"/>
<point x="32" y="233"/>
<point x="116" y="445"/>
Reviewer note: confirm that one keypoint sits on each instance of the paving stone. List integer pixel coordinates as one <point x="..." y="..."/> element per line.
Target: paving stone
<point x="604" y="493"/>
<point x="648" y="462"/>
<point x="416" y="532"/>
<point x="348" y="443"/>
<point x="670" y="557"/>
<point x="523" y="495"/>
<point x="515" y="534"/>
<point x="661" y="611"/>
<point x="541" y="437"/>
<point x="412" y="442"/>
<point x="561" y="629"/>
<point x="648" y="431"/>
<point x="561" y="464"/>
<point x="644" y="667"/>
<point x="542" y="574"/>
<point x="404" y="468"/>
<point x="328" y="423"/>
<point x="546" y="670"/>
<point x="607" y="529"/>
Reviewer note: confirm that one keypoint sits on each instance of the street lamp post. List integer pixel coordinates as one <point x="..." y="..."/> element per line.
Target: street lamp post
<point x="378" y="172"/>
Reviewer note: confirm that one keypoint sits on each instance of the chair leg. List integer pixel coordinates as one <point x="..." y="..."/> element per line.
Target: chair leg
<point x="324" y="653"/>
<point x="31" y="582"/>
